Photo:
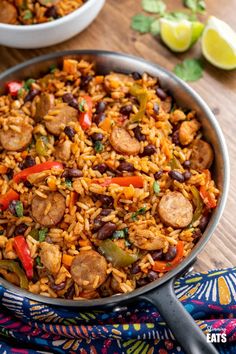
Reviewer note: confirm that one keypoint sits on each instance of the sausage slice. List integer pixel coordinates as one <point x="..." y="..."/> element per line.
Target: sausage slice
<point x="89" y="269"/>
<point x="18" y="136"/>
<point x="202" y="155"/>
<point x="175" y="210"/>
<point x="63" y="150"/>
<point x="123" y="142"/>
<point x="48" y="216"/>
<point x="66" y="115"/>
<point x="45" y="103"/>
<point x="8" y="13"/>
<point x="50" y="256"/>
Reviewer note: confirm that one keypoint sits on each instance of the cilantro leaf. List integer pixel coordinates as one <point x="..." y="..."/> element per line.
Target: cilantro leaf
<point x="118" y="234"/>
<point x="141" y="23"/>
<point x="27" y="15"/>
<point x="98" y="146"/>
<point x="140" y="211"/>
<point x="52" y="68"/>
<point x="19" y="209"/>
<point x="38" y="261"/>
<point x="28" y="84"/>
<point x="68" y="183"/>
<point x="189" y="70"/>
<point x="155" y="28"/>
<point x="42" y="234"/>
<point x="178" y="16"/>
<point x="156" y="187"/>
<point x="154" y="6"/>
<point x="195" y="5"/>
<point x="81" y="105"/>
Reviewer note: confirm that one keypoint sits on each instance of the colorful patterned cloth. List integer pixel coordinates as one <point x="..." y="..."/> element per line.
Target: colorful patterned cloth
<point x="209" y="297"/>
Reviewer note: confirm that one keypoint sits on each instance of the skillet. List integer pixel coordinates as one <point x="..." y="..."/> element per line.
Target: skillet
<point x="161" y="291"/>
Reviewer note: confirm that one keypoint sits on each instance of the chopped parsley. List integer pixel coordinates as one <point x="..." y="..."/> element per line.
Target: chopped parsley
<point x="28" y="84"/>
<point x="28" y="15"/>
<point x="19" y="208"/>
<point x="156" y="187"/>
<point x="140" y="211"/>
<point x="81" y="105"/>
<point x="120" y="233"/>
<point x="68" y="183"/>
<point x="42" y="234"/>
<point x="38" y="261"/>
<point x="195" y="5"/>
<point x="52" y="68"/>
<point x="98" y="146"/>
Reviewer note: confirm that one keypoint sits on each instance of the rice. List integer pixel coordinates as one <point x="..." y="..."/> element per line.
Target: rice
<point x="80" y="205"/>
<point x="33" y="12"/>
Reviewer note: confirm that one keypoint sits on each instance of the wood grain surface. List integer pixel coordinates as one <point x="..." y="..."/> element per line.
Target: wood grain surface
<point x="111" y="31"/>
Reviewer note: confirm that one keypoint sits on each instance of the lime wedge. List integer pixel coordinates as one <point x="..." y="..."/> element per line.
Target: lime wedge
<point x="179" y="36"/>
<point x="219" y="44"/>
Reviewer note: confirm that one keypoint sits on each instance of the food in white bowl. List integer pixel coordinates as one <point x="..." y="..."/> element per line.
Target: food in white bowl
<point x="44" y="23"/>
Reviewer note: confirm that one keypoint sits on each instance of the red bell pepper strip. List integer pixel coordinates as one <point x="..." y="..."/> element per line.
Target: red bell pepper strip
<point x="85" y="118"/>
<point x="5" y="199"/>
<point x="136" y="181"/>
<point x="206" y="196"/>
<point x="12" y="87"/>
<point x="23" y="252"/>
<point x="21" y="176"/>
<point x="163" y="266"/>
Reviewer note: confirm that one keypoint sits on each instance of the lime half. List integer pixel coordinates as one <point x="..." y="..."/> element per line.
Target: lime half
<point x="219" y="44"/>
<point x="179" y="36"/>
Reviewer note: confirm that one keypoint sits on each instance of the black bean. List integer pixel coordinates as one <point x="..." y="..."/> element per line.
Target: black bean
<point x="70" y="132"/>
<point x="102" y="168"/>
<point x="197" y="234"/>
<point x="138" y="134"/>
<point x="58" y="287"/>
<point x="51" y="12"/>
<point x="69" y="82"/>
<point x="161" y="94"/>
<point x="28" y="184"/>
<point x="106" y="212"/>
<point x="12" y="207"/>
<point x="70" y="292"/>
<point x="187" y="175"/>
<point x="156" y="108"/>
<point x="72" y="172"/>
<point x="31" y="94"/>
<point x="28" y="162"/>
<point x="126" y="110"/>
<point x="203" y="222"/>
<point x="170" y="254"/>
<point x="142" y="281"/>
<point x="152" y="275"/>
<point x="10" y="174"/>
<point x="101" y="107"/>
<point x="186" y="164"/>
<point x="106" y="200"/>
<point x="98" y="118"/>
<point x="157" y="255"/>
<point x="106" y="231"/>
<point x="135" y="268"/>
<point x="148" y="150"/>
<point x="20" y="229"/>
<point x="98" y="223"/>
<point x="175" y="137"/>
<point x="97" y="136"/>
<point x="126" y="166"/>
<point x="158" y="174"/>
<point x="136" y="75"/>
<point x="176" y="175"/>
<point x="70" y="100"/>
<point x="85" y="80"/>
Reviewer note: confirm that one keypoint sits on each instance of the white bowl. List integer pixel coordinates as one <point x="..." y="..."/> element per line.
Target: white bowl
<point x="50" y="33"/>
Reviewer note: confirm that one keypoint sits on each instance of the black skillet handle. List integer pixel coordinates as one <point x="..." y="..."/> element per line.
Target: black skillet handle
<point x="182" y="325"/>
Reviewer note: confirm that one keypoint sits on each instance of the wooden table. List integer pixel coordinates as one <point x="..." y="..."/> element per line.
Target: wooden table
<point x="111" y="31"/>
